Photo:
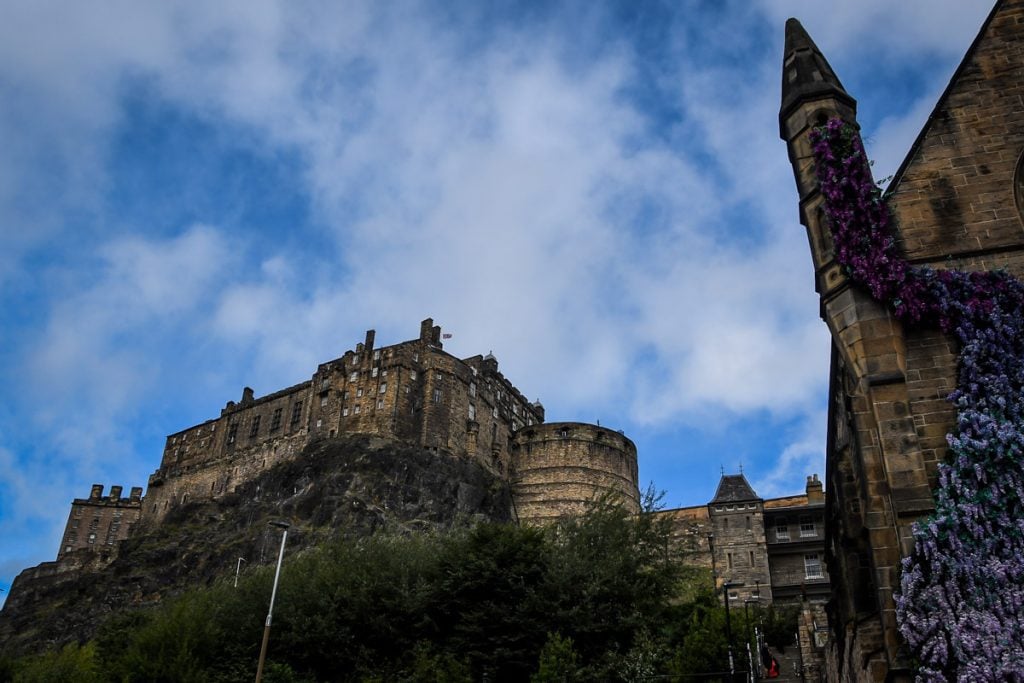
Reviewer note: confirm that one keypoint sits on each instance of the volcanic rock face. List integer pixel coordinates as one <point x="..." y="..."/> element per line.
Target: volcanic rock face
<point x="352" y="486"/>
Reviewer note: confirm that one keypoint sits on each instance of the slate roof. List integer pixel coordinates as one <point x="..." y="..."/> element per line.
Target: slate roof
<point x="734" y="488"/>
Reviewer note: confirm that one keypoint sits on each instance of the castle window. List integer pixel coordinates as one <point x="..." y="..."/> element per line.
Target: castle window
<point x="255" y="429"/>
<point x="807" y="527"/>
<point x="296" y="412"/>
<point x="344" y="395"/>
<point x="356" y="409"/>
<point x="416" y="356"/>
<point x="472" y="389"/>
<point x="781" y="530"/>
<point x="437" y="395"/>
<point x="383" y="388"/>
<point x="729" y="558"/>
<point x="318" y="423"/>
<point x="564" y="433"/>
<point x="494" y="412"/>
<point x="232" y="432"/>
<point x="407" y="390"/>
<point x="380" y="404"/>
<point x="751" y="558"/>
<point x="376" y="354"/>
<point x="725" y="523"/>
<point x="812" y="566"/>
<point x="383" y="373"/>
<point x="748" y="522"/>
<point x="323" y="401"/>
<point x="344" y="412"/>
<point x="275" y="420"/>
<point x="355" y="359"/>
<point x="412" y="375"/>
<point x="92" y="538"/>
<point x="373" y="372"/>
<point x="324" y="383"/>
<point x="359" y="392"/>
<point x="472" y="411"/>
<point x="354" y="376"/>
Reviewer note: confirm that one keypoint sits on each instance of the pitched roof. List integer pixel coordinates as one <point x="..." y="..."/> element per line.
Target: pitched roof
<point x="733" y="488"/>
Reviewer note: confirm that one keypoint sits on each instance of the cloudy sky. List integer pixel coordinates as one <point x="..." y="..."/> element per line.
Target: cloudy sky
<point x="200" y="196"/>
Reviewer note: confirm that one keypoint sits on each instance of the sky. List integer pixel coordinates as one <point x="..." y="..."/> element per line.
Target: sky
<point x="197" y="197"/>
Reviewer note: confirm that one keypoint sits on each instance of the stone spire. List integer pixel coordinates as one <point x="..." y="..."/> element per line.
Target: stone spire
<point x="806" y="74"/>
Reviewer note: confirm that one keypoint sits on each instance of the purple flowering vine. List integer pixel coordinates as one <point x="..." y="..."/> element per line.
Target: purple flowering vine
<point x="961" y="600"/>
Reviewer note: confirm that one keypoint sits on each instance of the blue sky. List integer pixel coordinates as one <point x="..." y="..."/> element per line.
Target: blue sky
<point x="195" y="197"/>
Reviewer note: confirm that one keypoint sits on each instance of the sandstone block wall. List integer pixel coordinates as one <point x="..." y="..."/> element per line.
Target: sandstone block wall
<point x="559" y="468"/>
<point x="99" y="520"/>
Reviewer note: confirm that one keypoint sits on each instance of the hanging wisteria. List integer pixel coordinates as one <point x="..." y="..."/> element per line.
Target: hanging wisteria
<point x="961" y="600"/>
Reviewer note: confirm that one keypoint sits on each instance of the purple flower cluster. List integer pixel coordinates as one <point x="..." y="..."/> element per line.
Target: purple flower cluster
<point x="961" y="600"/>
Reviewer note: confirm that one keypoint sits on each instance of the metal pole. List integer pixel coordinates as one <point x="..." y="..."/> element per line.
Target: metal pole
<point x="238" y="568"/>
<point x="728" y="634"/>
<point x="273" y="592"/>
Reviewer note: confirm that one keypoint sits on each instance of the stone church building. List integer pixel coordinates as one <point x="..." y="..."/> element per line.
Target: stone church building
<point x="957" y="202"/>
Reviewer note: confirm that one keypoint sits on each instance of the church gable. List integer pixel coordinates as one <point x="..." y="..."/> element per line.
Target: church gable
<point x="959" y="190"/>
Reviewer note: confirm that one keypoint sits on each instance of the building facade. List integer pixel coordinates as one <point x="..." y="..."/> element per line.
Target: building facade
<point x="412" y="391"/>
<point x="957" y="204"/>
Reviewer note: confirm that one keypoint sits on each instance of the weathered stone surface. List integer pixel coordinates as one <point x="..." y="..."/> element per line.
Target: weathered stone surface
<point x="354" y="485"/>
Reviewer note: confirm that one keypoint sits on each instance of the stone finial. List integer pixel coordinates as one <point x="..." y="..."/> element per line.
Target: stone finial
<point x="806" y="74"/>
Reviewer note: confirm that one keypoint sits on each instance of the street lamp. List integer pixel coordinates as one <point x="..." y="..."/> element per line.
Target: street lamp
<point x="238" y="568"/>
<point x="728" y="624"/>
<point x="284" y="526"/>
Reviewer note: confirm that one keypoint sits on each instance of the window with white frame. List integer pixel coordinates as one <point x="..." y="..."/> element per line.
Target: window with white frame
<point x="781" y="530"/>
<point x="354" y="376"/>
<point x="812" y="566"/>
<point x="373" y="372"/>
<point x="472" y="411"/>
<point x="807" y="527"/>
<point x="383" y="388"/>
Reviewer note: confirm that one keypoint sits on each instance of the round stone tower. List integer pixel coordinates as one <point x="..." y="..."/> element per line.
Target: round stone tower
<point x="559" y="468"/>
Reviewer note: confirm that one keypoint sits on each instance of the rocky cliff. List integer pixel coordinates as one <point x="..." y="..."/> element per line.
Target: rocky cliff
<point x="354" y="485"/>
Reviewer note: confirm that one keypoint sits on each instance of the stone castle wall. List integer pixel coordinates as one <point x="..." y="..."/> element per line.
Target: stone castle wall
<point x="560" y="467"/>
<point x="99" y="520"/>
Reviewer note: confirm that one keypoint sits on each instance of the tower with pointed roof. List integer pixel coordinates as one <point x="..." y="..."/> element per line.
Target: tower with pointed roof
<point x="957" y="204"/>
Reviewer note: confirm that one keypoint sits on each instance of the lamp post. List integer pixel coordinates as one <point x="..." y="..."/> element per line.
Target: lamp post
<point x="238" y="568"/>
<point x="728" y="625"/>
<point x="284" y="526"/>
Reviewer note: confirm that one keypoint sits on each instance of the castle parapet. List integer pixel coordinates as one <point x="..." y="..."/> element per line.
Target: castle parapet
<point x="561" y="468"/>
<point x="100" y="521"/>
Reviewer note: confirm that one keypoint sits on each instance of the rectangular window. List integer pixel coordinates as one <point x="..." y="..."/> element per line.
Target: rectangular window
<point x="232" y="432"/>
<point x="344" y="412"/>
<point x="376" y="354"/>
<point x="359" y="392"/>
<point x="323" y="401"/>
<point x="472" y="389"/>
<point x="748" y="522"/>
<point x="324" y="383"/>
<point x="354" y="376"/>
<point x="412" y="375"/>
<point x="356" y="410"/>
<point x="373" y="372"/>
<point x="275" y="420"/>
<point x="255" y="429"/>
<point x="296" y="412"/>
<point x="355" y="359"/>
<point x="383" y="388"/>
<point x="751" y="558"/>
<point x="729" y="558"/>
<point x="380" y="403"/>
<point x="781" y="531"/>
<point x="437" y="395"/>
<point x="472" y="411"/>
<point x="494" y="411"/>
<point x="318" y="423"/>
<point x="383" y="373"/>
<point x="807" y="527"/>
<point x="437" y="376"/>
<point x="812" y="566"/>
<point x="416" y="356"/>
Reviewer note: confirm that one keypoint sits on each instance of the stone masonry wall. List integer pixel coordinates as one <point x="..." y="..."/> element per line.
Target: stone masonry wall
<point x="100" y="520"/>
<point x="561" y="467"/>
